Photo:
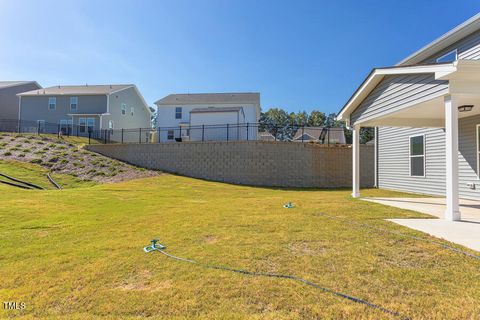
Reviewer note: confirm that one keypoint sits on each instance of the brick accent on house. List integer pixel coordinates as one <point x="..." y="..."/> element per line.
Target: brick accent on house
<point x="260" y="163"/>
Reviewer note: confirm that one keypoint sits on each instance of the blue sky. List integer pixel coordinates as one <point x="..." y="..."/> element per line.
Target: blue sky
<point x="301" y="55"/>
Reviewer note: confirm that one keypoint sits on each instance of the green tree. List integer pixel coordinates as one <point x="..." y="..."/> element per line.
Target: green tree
<point x="316" y="119"/>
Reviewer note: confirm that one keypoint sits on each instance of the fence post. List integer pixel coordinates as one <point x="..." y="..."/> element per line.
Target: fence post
<point x="203" y="132"/>
<point x="158" y="134"/>
<point x="105" y="136"/>
<point x="122" y="135"/>
<point x="328" y="136"/>
<point x="228" y="130"/>
<point x="247" y="131"/>
<point x="89" y="135"/>
<point x="38" y="128"/>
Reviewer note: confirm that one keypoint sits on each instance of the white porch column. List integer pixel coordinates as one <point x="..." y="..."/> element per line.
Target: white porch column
<point x="451" y="141"/>
<point x="356" y="162"/>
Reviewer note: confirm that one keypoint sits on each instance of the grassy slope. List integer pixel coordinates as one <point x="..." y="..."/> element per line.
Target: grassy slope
<point x="79" y="255"/>
<point x="35" y="174"/>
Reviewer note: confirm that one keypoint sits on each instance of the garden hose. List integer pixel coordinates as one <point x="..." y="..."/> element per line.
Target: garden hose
<point x="16" y="185"/>
<point x="53" y="182"/>
<point x="161" y="248"/>
<point x="22" y="182"/>
<point x="444" y="246"/>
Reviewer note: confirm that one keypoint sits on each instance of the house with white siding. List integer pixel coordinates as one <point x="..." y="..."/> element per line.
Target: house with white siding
<point x="426" y="113"/>
<point x="208" y="116"/>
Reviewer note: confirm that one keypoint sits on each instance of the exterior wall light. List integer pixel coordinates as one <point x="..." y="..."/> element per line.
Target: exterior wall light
<point x="465" y="108"/>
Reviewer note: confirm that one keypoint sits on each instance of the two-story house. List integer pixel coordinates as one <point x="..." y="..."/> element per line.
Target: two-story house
<point x="426" y="109"/>
<point x="208" y="116"/>
<point x="80" y="109"/>
<point x="9" y="101"/>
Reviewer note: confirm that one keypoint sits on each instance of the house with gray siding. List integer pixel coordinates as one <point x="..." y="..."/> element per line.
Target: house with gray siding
<point x="9" y="100"/>
<point x="426" y="114"/>
<point x="79" y="109"/>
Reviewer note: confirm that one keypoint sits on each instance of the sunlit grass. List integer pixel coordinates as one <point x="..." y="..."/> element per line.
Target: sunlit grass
<point x="78" y="254"/>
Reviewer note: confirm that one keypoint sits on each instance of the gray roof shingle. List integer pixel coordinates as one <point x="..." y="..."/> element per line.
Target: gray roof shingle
<point x="5" y="84"/>
<point x="77" y="90"/>
<point x="210" y="98"/>
<point x="215" y="109"/>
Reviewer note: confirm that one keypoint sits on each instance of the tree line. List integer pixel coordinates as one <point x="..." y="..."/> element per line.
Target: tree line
<point x="283" y="125"/>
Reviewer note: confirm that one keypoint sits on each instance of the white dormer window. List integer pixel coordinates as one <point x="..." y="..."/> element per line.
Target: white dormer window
<point x="448" y="57"/>
<point x="124" y="109"/>
<point x="73" y="103"/>
<point x="132" y="110"/>
<point x="52" y="103"/>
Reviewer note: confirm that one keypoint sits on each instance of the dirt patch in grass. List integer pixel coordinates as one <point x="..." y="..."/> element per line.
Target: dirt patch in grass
<point x="64" y="157"/>
<point x="144" y="281"/>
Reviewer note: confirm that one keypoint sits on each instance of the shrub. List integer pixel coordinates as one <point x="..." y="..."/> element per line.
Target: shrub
<point x="39" y="152"/>
<point x="63" y="161"/>
<point x="14" y="149"/>
<point x="8" y="153"/>
<point x="27" y="150"/>
<point x="22" y="155"/>
<point x="61" y="147"/>
<point x="39" y="142"/>
<point x="91" y="171"/>
<point x="37" y="161"/>
<point x="53" y="159"/>
<point x="18" y="145"/>
<point x="3" y="144"/>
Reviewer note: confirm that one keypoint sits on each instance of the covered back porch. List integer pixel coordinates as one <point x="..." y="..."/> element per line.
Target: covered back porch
<point x="431" y="96"/>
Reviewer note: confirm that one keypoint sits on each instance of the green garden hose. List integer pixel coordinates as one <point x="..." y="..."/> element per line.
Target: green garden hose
<point x="155" y="246"/>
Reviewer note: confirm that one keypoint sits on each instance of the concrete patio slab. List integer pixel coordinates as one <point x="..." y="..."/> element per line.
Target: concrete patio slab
<point x="465" y="232"/>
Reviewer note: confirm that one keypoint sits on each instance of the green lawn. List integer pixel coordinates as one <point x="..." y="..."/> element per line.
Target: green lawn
<point x="37" y="175"/>
<point x="77" y="254"/>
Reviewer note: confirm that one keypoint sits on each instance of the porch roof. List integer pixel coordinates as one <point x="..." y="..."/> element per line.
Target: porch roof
<point x="459" y="71"/>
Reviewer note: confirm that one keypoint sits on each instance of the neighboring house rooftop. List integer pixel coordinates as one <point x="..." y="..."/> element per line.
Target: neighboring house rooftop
<point x="215" y="109"/>
<point x="319" y="133"/>
<point x="7" y="84"/>
<point x="210" y="98"/>
<point x="78" y="90"/>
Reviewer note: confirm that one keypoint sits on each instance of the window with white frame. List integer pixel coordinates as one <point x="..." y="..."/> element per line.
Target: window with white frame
<point x="132" y="110"/>
<point x="73" y="103"/>
<point x="178" y="113"/>
<point x="82" y="125"/>
<point x="52" y="103"/>
<point x="417" y="156"/>
<point x="124" y="109"/>
<point x="448" y="57"/>
<point x="170" y="135"/>
<point x="90" y="124"/>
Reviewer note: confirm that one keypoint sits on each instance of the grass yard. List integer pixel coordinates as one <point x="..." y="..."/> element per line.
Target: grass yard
<point x="77" y="254"/>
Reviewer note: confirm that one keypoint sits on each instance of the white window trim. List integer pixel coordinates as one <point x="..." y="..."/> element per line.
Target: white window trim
<point x="181" y="113"/>
<point x="123" y="109"/>
<point x="76" y="103"/>
<point x="54" y="104"/>
<point x="410" y="156"/>
<point x="111" y="125"/>
<point x="132" y="111"/>
<point x="446" y="54"/>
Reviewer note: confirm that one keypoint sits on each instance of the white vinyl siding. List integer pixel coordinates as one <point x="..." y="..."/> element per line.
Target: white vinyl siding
<point x="132" y="111"/>
<point x="52" y="103"/>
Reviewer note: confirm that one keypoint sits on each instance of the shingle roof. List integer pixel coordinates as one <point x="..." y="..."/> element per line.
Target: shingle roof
<point x="215" y="109"/>
<point x="318" y="133"/>
<point x="210" y="98"/>
<point x="5" y="84"/>
<point x="77" y="90"/>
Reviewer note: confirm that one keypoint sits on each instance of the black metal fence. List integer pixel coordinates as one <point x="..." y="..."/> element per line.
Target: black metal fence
<point x="182" y="133"/>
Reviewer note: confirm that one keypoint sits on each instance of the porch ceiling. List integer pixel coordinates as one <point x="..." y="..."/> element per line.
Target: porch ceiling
<point x="430" y="113"/>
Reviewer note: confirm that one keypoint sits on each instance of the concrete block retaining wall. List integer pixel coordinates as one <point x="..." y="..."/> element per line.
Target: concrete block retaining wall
<point x="261" y="163"/>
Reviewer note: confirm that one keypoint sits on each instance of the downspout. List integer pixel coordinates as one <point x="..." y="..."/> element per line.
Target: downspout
<point x="19" y="112"/>
<point x="375" y="183"/>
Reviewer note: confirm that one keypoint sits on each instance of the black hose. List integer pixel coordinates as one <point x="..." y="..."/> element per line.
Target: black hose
<point x="23" y="182"/>
<point x="53" y="182"/>
<point x="16" y="185"/>
<point x="445" y="246"/>
<point x="282" y="276"/>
